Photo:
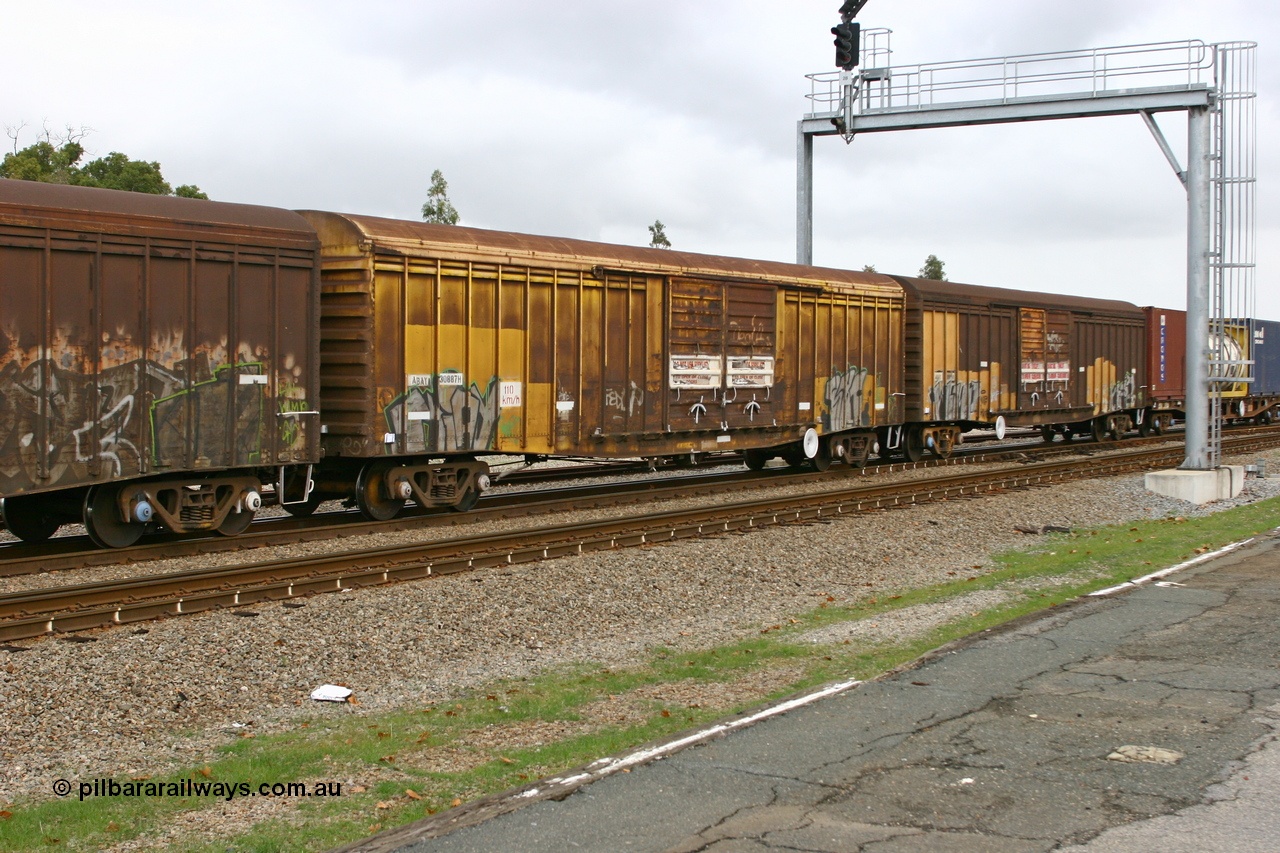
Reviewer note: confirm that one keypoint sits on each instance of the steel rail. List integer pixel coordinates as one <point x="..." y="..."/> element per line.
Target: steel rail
<point x="33" y="613"/>
<point x="77" y="552"/>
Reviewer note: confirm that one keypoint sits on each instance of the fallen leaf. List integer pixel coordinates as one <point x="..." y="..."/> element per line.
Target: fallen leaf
<point x="457" y="801"/>
<point x="412" y="794"/>
<point x="384" y="805"/>
<point x="358" y="789"/>
<point x="205" y="771"/>
<point x="506" y="760"/>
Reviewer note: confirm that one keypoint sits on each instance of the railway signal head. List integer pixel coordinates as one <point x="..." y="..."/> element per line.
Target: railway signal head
<point x="847" y="37"/>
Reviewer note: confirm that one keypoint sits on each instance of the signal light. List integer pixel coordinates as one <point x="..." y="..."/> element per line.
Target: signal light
<point x="847" y="38"/>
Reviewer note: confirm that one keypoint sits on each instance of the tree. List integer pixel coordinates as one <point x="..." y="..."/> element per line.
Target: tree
<point x="658" y="236"/>
<point x="869" y="268"/>
<point x="438" y="209"/>
<point x="933" y="269"/>
<point x="55" y="160"/>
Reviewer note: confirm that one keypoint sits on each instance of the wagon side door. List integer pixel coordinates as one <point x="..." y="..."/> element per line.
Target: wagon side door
<point x="721" y="354"/>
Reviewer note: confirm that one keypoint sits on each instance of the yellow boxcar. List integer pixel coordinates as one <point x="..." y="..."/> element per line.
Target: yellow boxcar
<point x="442" y="344"/>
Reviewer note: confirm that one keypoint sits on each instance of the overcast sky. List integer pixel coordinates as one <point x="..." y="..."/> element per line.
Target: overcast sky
<point x="593" y="118"/>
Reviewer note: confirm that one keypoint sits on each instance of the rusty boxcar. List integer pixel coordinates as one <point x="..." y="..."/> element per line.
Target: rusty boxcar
<point x="1166" y="364"/>
<point x="1246" y="342"/>
<point x="157" y="360"/>
<point x="442" y="344"/>
<point x="992" y="357"/>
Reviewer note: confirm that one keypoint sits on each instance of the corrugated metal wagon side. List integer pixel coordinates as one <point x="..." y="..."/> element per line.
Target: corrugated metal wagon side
<point x="986" y="357"/>
<point x="443" y="344"/>
<point x="1166" y="364"/>
<point x="158" y="360"/>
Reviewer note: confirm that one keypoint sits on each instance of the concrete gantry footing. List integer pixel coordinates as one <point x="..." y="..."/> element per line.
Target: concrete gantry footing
<point x="1197" y="487"/>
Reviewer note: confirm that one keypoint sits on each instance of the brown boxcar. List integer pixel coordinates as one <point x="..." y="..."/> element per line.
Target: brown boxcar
<point x="1241" y="340"/>
<point x="990" y="357"/>
<point x="444" y="343"/>
<point x="157" y="359"/>
<point x="1166" y="363"/>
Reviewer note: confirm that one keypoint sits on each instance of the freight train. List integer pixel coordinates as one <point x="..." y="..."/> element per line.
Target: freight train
<point x="176" y="364"/>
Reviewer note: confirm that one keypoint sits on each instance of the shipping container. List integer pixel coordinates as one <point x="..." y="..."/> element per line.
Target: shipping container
<point x="157" y="359"/>
<point x="991" y="357"/>
<point x="1266" y="358"/>
<point x="442" y="344"/>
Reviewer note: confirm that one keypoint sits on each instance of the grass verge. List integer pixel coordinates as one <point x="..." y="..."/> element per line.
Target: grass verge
<point x="398" y="767"/>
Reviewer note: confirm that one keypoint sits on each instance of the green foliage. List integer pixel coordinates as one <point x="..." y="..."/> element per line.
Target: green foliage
<point x="658" y="235"/>
<point x="118" y="172"/>
<point x="438" y="209"/>
<point x="43" y="162"/>
<point x="869" y="268"/>
<point x="57" y="161"/>
<point x="933" y="269"/>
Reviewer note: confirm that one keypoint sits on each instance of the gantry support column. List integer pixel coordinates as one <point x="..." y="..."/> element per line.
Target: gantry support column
<point x="804" y="195"/>
<point x="1199" y="237"/>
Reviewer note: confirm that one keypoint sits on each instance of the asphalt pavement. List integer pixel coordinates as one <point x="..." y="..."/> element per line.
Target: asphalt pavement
<point x="1143" y="720"/>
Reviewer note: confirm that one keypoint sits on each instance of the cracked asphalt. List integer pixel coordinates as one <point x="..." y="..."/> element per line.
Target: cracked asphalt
<point x="998" y="744"/>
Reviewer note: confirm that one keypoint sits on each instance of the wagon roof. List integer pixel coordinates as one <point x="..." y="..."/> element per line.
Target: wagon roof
<point x="478" y="244"/>
<point x="974" y="294"/>
<point x="143" y="214"/>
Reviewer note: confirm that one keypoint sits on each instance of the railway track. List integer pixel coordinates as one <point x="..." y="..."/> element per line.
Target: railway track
<point x="68" y="553"/>
<point x="80" y="607"/>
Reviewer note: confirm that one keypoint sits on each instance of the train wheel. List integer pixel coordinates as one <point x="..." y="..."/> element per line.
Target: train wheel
<point x="1068" y="433"/>
<point x="28" y="519"/>
<point x="913" y="444"/>
<point x="1046" y="433"/>
<point x="756" y="459"/>
<point x="235" y="523"/>
<point x="468" y="500"/>
<point x="102" y="519"/>
<point x="821" y="460"/>
<point x="1098" y="427"/>
<point x="941" y="449"/>
<point x="794" y="458"/>
<point x="371" y="496"/>
<point x="305" y="509"/>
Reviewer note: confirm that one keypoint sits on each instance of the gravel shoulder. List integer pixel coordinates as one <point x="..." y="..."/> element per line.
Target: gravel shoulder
<point x="146" y="698"/>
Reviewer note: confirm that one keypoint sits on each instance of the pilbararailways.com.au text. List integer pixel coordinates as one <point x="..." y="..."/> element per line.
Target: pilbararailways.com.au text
<point x="196" y="788"/>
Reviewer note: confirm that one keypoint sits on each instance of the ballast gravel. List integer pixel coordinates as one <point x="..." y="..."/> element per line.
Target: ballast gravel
<point x="145" y="698"/>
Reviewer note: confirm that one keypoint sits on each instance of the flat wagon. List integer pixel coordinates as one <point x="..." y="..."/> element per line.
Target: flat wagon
<point x="157" y="360"/>
<point x="441" y="345"/>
